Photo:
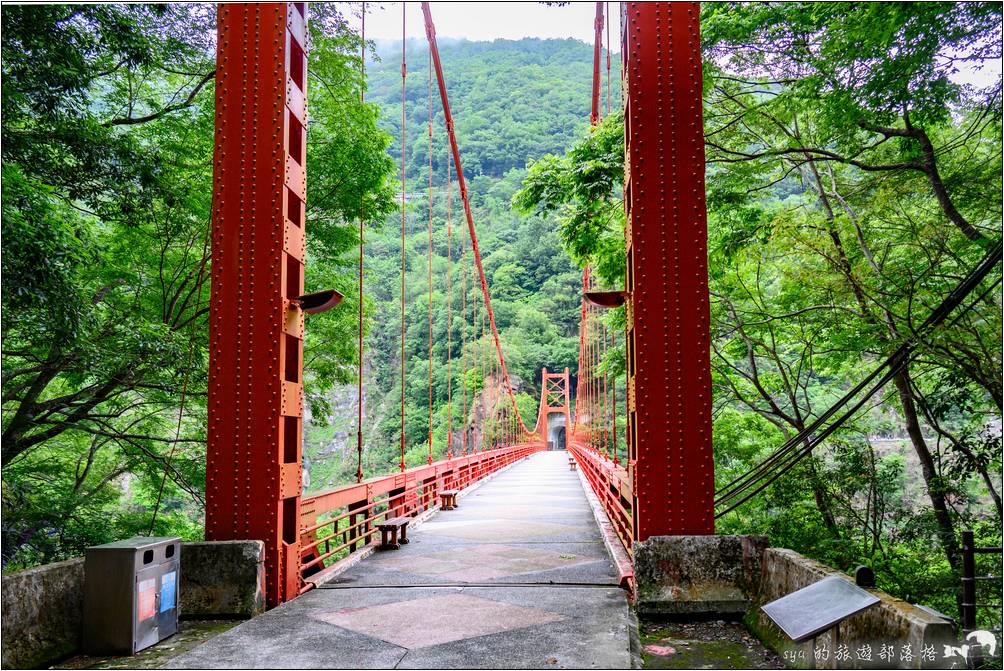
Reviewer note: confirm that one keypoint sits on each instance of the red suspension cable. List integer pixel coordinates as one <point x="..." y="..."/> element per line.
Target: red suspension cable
<point x="449" y="319"/>
<point x="362" y="224"/>
<point x="463" y="310"/>
<point x="584" y="384"/>
<point x="594" y="115"/>
<point x="404" y="70"/>
<point x="604" y="407"/>
<point x="428" y="259"/>
<point x="484" y="379"/>
<point x="475" y="343"/>
<point x="607" y="10"/>
<point x="580" y="405"/>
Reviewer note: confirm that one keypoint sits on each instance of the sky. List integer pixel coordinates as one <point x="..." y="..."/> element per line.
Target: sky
<point x="479" y="21"/>
<point x="490" y="20"/>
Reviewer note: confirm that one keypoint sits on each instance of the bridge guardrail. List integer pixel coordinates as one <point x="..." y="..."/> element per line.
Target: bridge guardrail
<point x="338" y="522"/>
<point x="612" y="486"/>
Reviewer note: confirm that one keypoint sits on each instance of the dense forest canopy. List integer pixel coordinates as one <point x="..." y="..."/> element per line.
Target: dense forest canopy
<point x="851" y="183"/>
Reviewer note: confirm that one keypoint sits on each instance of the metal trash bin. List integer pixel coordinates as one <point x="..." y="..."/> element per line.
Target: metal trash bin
<point x="130" y="594"/>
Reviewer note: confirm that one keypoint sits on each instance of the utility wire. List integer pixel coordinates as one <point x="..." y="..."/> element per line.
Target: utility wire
<point x="789" y="454"/>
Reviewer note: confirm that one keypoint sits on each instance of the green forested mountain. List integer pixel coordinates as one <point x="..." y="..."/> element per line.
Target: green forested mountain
<point x="512" y="101"/>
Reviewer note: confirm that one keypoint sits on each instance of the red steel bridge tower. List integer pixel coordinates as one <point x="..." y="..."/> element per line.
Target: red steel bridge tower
<point x="255" y="406"/>
<point x="668" y="321"/>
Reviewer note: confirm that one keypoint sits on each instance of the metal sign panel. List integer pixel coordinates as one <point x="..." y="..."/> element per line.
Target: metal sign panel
<point x="820" y="606"/>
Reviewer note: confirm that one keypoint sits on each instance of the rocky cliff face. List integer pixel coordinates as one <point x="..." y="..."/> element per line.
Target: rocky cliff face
<point x="329" y="445"/>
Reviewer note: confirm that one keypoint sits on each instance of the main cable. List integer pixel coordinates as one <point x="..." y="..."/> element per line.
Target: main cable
<point x="430" y="32"/>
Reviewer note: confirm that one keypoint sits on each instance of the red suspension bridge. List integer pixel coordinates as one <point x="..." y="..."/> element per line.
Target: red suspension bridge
<point x="525" y="552"/>
<point x="659" y="481"/>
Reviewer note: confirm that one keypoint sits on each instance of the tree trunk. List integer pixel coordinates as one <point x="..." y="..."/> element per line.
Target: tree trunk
<point x="935" y="489"/>
<point x="940" y="192"/>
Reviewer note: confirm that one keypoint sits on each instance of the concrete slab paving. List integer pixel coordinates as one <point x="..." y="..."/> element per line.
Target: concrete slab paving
<point x="452" y="561"/>
<point x="418" y="627"/>
<point x="516" y="577"/>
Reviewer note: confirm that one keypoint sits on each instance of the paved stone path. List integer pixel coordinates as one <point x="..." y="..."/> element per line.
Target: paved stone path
<point x="516" y="577"/>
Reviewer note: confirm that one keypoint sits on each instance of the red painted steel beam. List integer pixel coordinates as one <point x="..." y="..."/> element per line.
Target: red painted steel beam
<point x="255" y="407"/>
<point x="669" y="374"/>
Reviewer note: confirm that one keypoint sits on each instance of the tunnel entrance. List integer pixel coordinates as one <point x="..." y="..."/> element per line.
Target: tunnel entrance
<point x="556" y="431"/>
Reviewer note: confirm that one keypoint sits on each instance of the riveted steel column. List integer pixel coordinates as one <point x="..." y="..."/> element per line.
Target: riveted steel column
<point x="669" y="378"/>
<point x="255" y="407"/>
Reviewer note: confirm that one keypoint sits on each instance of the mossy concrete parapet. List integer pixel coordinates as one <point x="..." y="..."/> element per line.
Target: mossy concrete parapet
<point x="678" y="575"/>
<point x="905" y="629"/>
<point x="222" y="579"/>
<point x="43" y="606"/>
<point x="42" y="609"/>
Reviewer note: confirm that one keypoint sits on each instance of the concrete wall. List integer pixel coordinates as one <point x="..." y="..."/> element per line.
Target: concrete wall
<point x="42" y="607"/>
<point x="892" y="622"/>
<point x="697" y="574"/>
<point x="684" y="576"/>
<point x="222" y="579"/>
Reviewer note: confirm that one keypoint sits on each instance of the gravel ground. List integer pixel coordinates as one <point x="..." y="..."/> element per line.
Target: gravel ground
<point x="191" y="633"/>
<point x="714" y="644"/>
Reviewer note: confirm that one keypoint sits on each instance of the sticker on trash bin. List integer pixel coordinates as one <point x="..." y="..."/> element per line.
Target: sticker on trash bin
<point x="146" y="599"/>
<point x="167" y="583"/>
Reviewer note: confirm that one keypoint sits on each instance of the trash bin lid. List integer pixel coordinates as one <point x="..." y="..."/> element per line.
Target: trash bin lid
<point x="137" y="543"/>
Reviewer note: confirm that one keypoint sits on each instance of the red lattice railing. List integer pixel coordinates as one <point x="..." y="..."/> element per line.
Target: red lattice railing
<point x="612" y="486"/>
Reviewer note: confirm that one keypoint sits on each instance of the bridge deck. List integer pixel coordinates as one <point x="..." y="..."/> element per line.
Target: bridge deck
<point x="516" y="577"/>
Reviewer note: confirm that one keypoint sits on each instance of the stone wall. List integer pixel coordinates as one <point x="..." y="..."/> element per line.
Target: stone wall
<point x="42" y="609"/>
<point x="905" y="628"/>
<point x="43" y="606"/>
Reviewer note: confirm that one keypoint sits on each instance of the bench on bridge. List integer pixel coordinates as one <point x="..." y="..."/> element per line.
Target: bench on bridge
<point x="448" y="499"/>
<point x="389" y="533"/>
<point x="572" y="463"/>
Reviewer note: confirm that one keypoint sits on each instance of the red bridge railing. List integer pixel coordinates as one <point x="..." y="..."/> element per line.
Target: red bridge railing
<point x="612" y="486"/>
<point x="336" y="523"/>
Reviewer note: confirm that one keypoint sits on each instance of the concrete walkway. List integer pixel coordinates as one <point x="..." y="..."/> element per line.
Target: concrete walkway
<point x="516" y="577"/>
